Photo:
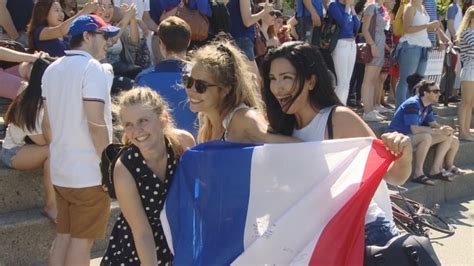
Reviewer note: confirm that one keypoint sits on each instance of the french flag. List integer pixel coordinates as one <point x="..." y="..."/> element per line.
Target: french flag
<point x="300" y="204"/>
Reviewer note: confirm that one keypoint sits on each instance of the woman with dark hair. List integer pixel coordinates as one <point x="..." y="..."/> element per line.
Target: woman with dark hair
<point x="47" y="29"/>
<point x="24" y="117"/>
<point x="69" y="8"/>
<point x="301" y="102"/>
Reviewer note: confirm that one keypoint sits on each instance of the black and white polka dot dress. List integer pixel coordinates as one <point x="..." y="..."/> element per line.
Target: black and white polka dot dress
<point x="121" y="249"/>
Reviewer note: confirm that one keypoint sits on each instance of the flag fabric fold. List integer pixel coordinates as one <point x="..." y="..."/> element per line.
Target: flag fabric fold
<point x="301" y="204"/>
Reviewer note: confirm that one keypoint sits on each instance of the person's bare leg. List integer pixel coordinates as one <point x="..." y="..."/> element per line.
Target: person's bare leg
<point x="381" y="94"/>
<point x="369" y="85"/>
<point x="79" y="252"/>
<point x="441" y="151"/>
<point x="451" y="154"/>
<point x="32" y="157"/>
<point x="465" y="110"/>
<point x="422" y="142"/>
<point x="58" y="252"/>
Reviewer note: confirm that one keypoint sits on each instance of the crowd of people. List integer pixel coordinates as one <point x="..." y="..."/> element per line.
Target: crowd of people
<point x="260" y="77"/>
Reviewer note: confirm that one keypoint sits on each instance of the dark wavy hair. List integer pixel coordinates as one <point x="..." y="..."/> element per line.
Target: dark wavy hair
<point x="24" y="109"/>
<point x="308" y="61"/>
<point x="39" y="17"/>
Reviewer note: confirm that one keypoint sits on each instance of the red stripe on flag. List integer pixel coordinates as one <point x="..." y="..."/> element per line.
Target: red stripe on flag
<point x="340" y="244"/>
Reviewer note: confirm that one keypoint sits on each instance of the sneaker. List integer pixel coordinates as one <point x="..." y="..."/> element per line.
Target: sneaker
<point x="381" y="116"/>
<point x="381" y="109"/>
<point x="372" y="117"/>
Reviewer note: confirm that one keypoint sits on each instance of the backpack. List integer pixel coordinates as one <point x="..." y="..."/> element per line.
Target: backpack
<point x="329" y="33"/>
<point x="398" y="20"/>
<point x="220" y="20"/>
<point x="109" y="158"/>
<point x="12" y="45"/>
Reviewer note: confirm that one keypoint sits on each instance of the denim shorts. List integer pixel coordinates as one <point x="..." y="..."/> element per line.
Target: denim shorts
<point x="246" y="45"/>
<point x="7" y="156"/>
<point x="379" y="232"/>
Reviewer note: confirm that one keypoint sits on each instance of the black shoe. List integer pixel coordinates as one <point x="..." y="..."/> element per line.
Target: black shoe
<point x="454" y="99"/>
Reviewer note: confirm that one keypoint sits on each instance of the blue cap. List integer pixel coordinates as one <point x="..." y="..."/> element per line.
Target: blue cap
<point x="91" y="23"/>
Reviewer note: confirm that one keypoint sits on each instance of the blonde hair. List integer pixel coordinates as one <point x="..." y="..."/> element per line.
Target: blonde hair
<point x="147" y="97"/>
<point x="466" y="20"/>
<point x="230" y="68"/>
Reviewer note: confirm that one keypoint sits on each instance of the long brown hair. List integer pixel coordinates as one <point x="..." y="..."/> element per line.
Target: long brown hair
<point x="24" y="109"/>
<point x="39" y="18"/>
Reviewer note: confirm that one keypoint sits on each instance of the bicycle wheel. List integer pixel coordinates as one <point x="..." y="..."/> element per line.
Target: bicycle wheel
<point x="435" y="222"/>
<point x="409" y="228"/>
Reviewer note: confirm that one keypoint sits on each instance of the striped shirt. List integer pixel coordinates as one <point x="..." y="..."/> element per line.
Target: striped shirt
<point x="467" y="46"/>
<point x="430" y="6"/>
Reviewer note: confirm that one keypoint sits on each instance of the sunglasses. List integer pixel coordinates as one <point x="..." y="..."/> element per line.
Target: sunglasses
<point x="200" y="85"/>
<point x="435" y="91"/>
<point x="103" y="33"/>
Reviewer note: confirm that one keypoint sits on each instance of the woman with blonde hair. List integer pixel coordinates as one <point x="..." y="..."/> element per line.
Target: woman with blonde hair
<point x="142" y="176"/>
<point x="465" y="37"/>
<point x="221" y="89"/>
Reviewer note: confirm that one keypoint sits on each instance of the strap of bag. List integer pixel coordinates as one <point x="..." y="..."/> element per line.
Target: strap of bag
<point x="329" y="124"/>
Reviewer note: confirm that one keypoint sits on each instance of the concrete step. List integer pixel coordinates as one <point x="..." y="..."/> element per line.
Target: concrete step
<point x="26" y="237"/>
<point x="450" y="110"/>
<point x="442" y="191"/>
<point x="20" y="190"/>
<point x="451" y="121"/>
<point x="464" y="157"/>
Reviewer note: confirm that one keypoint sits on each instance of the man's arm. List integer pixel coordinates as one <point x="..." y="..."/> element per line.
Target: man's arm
<point x="314" y="14"/>
<point x="97" y="127"/>
<point x="6" y="21"/>
<point x="150" y="23"/>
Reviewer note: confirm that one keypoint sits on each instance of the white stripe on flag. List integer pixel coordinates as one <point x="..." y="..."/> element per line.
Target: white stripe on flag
<point x="288" y="206"/>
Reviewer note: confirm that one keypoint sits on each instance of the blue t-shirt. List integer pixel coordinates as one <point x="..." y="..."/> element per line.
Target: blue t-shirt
<point x="302" y="11"/>
<point x="55" y="47"/>
<point x="166" y="79"/>
<point x="348" y="23"/>
<point x="20" y="12"/>
<point x="452" y="11"/>
<point x="411" y="112"/>
<point x="237" y="28"/>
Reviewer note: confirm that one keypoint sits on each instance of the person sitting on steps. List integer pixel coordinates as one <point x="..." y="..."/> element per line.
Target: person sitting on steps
<point x="414" y="117"/>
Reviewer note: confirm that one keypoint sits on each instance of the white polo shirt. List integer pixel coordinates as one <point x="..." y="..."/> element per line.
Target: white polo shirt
<point x="66" y="84"/>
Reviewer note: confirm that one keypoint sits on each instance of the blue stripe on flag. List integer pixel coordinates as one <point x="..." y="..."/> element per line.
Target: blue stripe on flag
<point x="214" y="221"/>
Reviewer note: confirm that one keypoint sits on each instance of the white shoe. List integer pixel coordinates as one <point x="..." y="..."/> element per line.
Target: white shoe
<point x="381" y="116"/>
<point x="381" y="109"/>
<point x="372" y="117"/>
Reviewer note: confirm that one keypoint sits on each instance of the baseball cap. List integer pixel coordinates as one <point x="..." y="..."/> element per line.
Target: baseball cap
<point x="90" y="23"/>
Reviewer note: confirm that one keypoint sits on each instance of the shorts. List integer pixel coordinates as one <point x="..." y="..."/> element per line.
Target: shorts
<point x="246" y="45"/>
<point x="379" y="232"/>
<point x="467" y="72"/>
<point x="379" y="61"/>
<point x="82" y="212"/>
<point x="7" y="155"/>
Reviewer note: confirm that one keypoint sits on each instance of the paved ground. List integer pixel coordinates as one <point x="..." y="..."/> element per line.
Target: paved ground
<point x="457" y="249"/>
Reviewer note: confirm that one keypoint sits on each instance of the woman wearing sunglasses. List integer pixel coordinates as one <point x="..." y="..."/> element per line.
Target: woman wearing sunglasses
<point x="221" y="89"/>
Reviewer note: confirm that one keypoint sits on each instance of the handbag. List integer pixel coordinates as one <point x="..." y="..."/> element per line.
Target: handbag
<point x="402" y="250"/>
<point x="199" y="23"/>
<point x="364" y="51"/>
<point x="260" y="46"/>
<point x="329" y="33"/>
<point x="109" y="158"/>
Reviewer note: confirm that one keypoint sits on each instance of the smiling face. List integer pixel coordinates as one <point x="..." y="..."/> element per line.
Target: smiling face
<point x="55" y="15"/>
<point x="106" y="11"/>
<point x="143" y="126"/>
<point x="98" y="45"/>
<point x="208" y="101"/>
<point x="284" y="86"/>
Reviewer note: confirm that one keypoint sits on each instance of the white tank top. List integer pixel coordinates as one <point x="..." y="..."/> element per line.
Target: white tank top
<point x="419" y="38"/>
<point x="315" y="131"/>
<point x="228" y="119"/>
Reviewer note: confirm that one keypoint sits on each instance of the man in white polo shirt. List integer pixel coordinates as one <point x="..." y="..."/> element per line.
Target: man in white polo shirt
<point x="78" y="122"/>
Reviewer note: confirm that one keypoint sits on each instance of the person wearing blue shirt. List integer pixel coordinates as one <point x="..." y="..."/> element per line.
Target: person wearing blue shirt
<point x="414" y="117"/>
<point x="166" y="77"/>
<point x="309" y="14"/>
<point x="344" y="55"/>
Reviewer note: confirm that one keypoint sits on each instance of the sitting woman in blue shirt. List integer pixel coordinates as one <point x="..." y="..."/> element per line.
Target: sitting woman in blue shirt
<point x="47" y="29"/>
<point x="344" y="55"/>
